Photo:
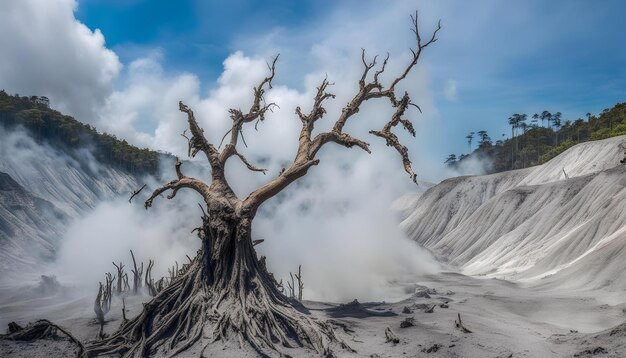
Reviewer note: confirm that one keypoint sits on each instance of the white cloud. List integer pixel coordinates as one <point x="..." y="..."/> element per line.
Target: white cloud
<point x="349" y="192"/>
<point x="450" y="91"/>
<point x="46" y="51"/>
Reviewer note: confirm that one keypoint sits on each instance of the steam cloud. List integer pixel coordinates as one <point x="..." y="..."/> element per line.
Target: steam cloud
<point x="335" y="221"/>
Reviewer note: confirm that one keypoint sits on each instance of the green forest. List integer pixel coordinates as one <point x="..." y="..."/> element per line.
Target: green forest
<point x="47" y="125"/>
<point x="534" y="139"/>
<point x="539" y="137"/>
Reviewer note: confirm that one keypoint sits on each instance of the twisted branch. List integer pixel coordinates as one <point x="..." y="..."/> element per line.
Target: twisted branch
<point x="392" y="139"/>
<point x="250" y="166"/>
<point x="256" y="112"/>
<point x="372" y="89"/>
<point x="182" y="182"/>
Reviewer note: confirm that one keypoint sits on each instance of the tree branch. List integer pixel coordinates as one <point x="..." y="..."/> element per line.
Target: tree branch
<point x="392" y="139"/>
<point x="135" y="193"/>
<point x="250" y="166"/>
<point x="256" y="112"/>
<point x="372" y="89"/>
<point x="197" y="142"/>
<point x="182" y="182"/>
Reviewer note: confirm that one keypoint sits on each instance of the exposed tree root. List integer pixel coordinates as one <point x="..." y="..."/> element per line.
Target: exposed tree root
<point x="187" y="310"/>
<point x="41" y="329"/>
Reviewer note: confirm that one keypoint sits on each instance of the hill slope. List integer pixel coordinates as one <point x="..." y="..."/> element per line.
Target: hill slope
<point x="562" y="223"/>
<point x="41" y="189"/>
<point x="29" y="226"/>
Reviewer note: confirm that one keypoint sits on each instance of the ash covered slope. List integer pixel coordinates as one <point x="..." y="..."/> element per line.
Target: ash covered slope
<point x="42" y="188"/>
<point x="71" y="179"/>
<point x="29" y="226"/>
<point x="563" y="222"/>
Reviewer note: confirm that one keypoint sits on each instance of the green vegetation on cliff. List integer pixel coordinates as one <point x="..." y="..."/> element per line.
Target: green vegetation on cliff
<point x="48" y="125"/>
<point x="538" y="138"/>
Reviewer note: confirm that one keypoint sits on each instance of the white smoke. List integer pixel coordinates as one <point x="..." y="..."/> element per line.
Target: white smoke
<point x="334" y="222"/>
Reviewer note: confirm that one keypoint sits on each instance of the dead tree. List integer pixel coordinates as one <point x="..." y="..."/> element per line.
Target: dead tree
<point x="102" y="303"/>
<point x="291" y="286"/>
<point x="120" y="278"/>
<point x="108" y="291"/>
<point x="148" y="279"/>
<point x="137" y="274"/>
<point x="227" y="292"/>
<point x="126" y="285"/>
<point x="97" y="308"/>
<point x="300" y="283"/>
<point x="124" y="310"/>
<point x="459" y="325"/>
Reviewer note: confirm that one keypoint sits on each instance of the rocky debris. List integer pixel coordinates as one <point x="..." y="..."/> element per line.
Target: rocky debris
<point x="408" y="322"/>
<point x="444" y="305"/>
<point x="591" y="352"/>
<point x="422" y="292"/>
<point x="406" y="310"/>
<point x="432" y="349"/>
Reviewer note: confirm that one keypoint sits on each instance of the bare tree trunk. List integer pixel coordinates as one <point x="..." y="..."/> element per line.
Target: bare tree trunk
<point x="227" y="288"/>
<point x="137" y="274"/>
<point x="120" y="278"/>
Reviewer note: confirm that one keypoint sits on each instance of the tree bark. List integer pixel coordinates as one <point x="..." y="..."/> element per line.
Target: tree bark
<point x="225" y="291"/>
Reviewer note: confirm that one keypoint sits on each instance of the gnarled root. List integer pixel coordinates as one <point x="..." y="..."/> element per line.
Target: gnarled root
<point x="269" y="326"/>
<point x="188" y="310"/>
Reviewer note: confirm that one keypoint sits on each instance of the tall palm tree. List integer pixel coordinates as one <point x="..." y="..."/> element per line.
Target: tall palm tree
<point x="515" y="121"/>
<point x="535" y="118"/>
<point x="469" y="137"/>
<point x="545" y="116"/>
<point x="450" y="160"/>
<point x="556" y="121"/>
<point x="484" y="138"/>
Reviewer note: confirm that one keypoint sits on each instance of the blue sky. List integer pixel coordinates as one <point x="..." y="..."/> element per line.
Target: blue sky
<point x="196" y="35"/>
<point x="120" y="65"/>
<point x="515" y="56"/>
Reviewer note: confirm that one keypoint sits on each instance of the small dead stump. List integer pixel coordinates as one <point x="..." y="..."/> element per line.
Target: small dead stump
<point x="432" y="349"/>
<point x="406" y="310"/>
<point x="391" y="337"/>
<point x="431" y="309"/>
<point x="459" y="324"/>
